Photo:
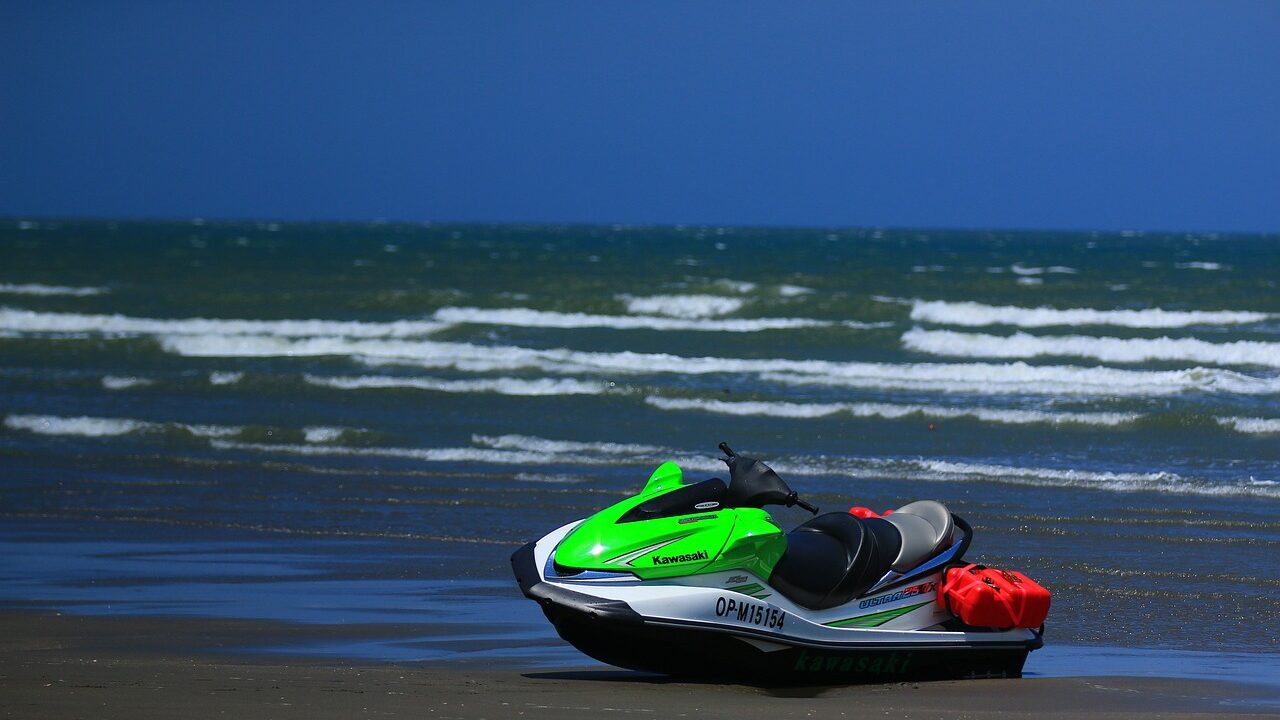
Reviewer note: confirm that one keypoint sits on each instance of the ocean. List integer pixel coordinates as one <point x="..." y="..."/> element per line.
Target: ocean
<point x="355" y="424"/>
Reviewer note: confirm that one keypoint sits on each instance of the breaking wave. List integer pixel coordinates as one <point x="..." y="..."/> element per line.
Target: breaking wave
<point x="85" y="426"/>
<point x="1251" y="425"/>
<point x="1024" y="270"/>
<point x="1106" y="349"/>
<point x="1017" y="377"/>
<point x="502" y="450"/>
<point x="48" y="322"/>
<point x="530" y="450"/>
<point x="893" y="411"/>
<point x="514" y="449"/>
<point x="973" y="314"/>
<point x="500" y="386"/>
<point x="114" y="382"/>
<point x="888" y="411"/>
<point x="684" y="306"/>
<point x="47" y="290"/>
<point x="28" y="321"/>
<point x="322" y="434"/>
<point x="525" y="317"/>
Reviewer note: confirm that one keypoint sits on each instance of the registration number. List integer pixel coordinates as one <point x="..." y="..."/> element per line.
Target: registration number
<point x="750" y="613"/>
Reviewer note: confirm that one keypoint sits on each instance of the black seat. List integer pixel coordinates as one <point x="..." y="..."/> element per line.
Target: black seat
<point x="833" y="558"/>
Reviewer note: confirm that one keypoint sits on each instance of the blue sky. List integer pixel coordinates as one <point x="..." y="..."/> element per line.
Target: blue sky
<point x="1074" y="115"/>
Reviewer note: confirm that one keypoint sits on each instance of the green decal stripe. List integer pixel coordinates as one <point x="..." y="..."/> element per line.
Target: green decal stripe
<point x="752" y="589"/>
<point x="630" y="557"/>
<point x="876" y="619"/>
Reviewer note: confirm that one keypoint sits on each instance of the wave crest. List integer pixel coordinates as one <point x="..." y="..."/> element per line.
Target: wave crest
<point x="1105" y="349"/>
<point x="973" y="314"/>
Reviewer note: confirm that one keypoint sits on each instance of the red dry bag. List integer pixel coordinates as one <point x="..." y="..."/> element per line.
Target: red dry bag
<point x="986" y="597"/>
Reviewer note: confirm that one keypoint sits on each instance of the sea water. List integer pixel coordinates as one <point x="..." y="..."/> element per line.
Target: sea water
<point x="357" y="423"/>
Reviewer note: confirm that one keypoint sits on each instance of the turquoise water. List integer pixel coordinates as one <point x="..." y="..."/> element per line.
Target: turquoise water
<point x="376" y="415"/>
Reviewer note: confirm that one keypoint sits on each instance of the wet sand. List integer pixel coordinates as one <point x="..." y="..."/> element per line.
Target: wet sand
<point x="64" y="666"/>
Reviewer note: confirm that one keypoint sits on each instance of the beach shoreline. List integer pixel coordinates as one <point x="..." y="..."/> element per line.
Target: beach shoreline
<point x="61" y="666"/>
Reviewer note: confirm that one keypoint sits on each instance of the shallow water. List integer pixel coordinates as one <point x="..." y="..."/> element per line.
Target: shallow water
<point x="358" y="423"/>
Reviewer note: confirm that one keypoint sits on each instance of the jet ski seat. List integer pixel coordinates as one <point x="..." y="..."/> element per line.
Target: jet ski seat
<point x="926" y="528"/>
<point x="835" y="557"/>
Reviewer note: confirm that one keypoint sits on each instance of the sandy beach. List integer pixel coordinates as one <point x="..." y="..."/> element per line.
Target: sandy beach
<point x="65" y="666"/>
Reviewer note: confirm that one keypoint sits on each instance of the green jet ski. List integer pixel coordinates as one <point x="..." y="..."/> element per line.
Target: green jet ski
<point x="698" y="580"/>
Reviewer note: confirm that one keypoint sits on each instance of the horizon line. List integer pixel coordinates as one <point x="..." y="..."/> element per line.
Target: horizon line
<point x="619" y="225"/>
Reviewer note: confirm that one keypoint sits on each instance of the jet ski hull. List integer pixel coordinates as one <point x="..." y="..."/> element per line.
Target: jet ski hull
<point x="611" y="631"/>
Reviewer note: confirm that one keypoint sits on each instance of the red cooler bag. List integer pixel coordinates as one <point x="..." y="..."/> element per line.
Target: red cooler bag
<point x="987" y="597"/>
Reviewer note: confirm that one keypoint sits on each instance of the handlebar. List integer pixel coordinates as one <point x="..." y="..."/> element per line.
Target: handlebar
<point x="804" y="504"/>
<point x="754" y="484"/>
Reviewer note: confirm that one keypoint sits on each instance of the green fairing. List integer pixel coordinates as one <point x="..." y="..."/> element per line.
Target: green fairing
<point x="666" y="478"/>
<point x="701" y="542"/>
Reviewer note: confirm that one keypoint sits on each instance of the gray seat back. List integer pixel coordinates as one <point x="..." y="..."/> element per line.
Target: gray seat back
<point x="926" y="527"/>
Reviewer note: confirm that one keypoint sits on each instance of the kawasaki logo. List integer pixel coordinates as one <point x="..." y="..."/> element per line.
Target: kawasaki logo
<point x="668" y="559"/>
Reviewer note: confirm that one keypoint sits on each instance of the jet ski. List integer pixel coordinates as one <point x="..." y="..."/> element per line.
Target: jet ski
<point x="698" y="580"/>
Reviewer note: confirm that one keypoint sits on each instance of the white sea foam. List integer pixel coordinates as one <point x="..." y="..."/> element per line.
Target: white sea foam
<point x="482" y="455"/>
<point x="84" y="426"/>
<point x="212" y="431"/>
<point x="1017" y="377"/>
<point x="793" y="290"/>
<point x="105" y="427"/>
<point x="1251" y="424"/>
<point x="1106" y="349"/>
<point x="113" y="382"/>
<point x="536" y="444"/>
<point x="500" y="386"/>
<point x="944" y="470"/>
<point x="463" y="454"/>
<point x="1025" y="271"/>
<point x="683" y="306"/>
<point x="950" y="471"/>
<point x="28" y="321"/>
<point x="525" y="317"/>
<point x="1200" y="265"/>
<point x="549" y="478"/>
<point x="889" y="411"/>
<point x="1030" y="281"/>
<point x="49" y="322"/>
<point x="738" y="286"/>
<point x="1022" y="379"/>
<point x="45" y="290"/>
<point x="972" y="314"/>
<point x="321" y="434"/>
<point x="225" y="378"/>
<point x="528" y="450"/>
